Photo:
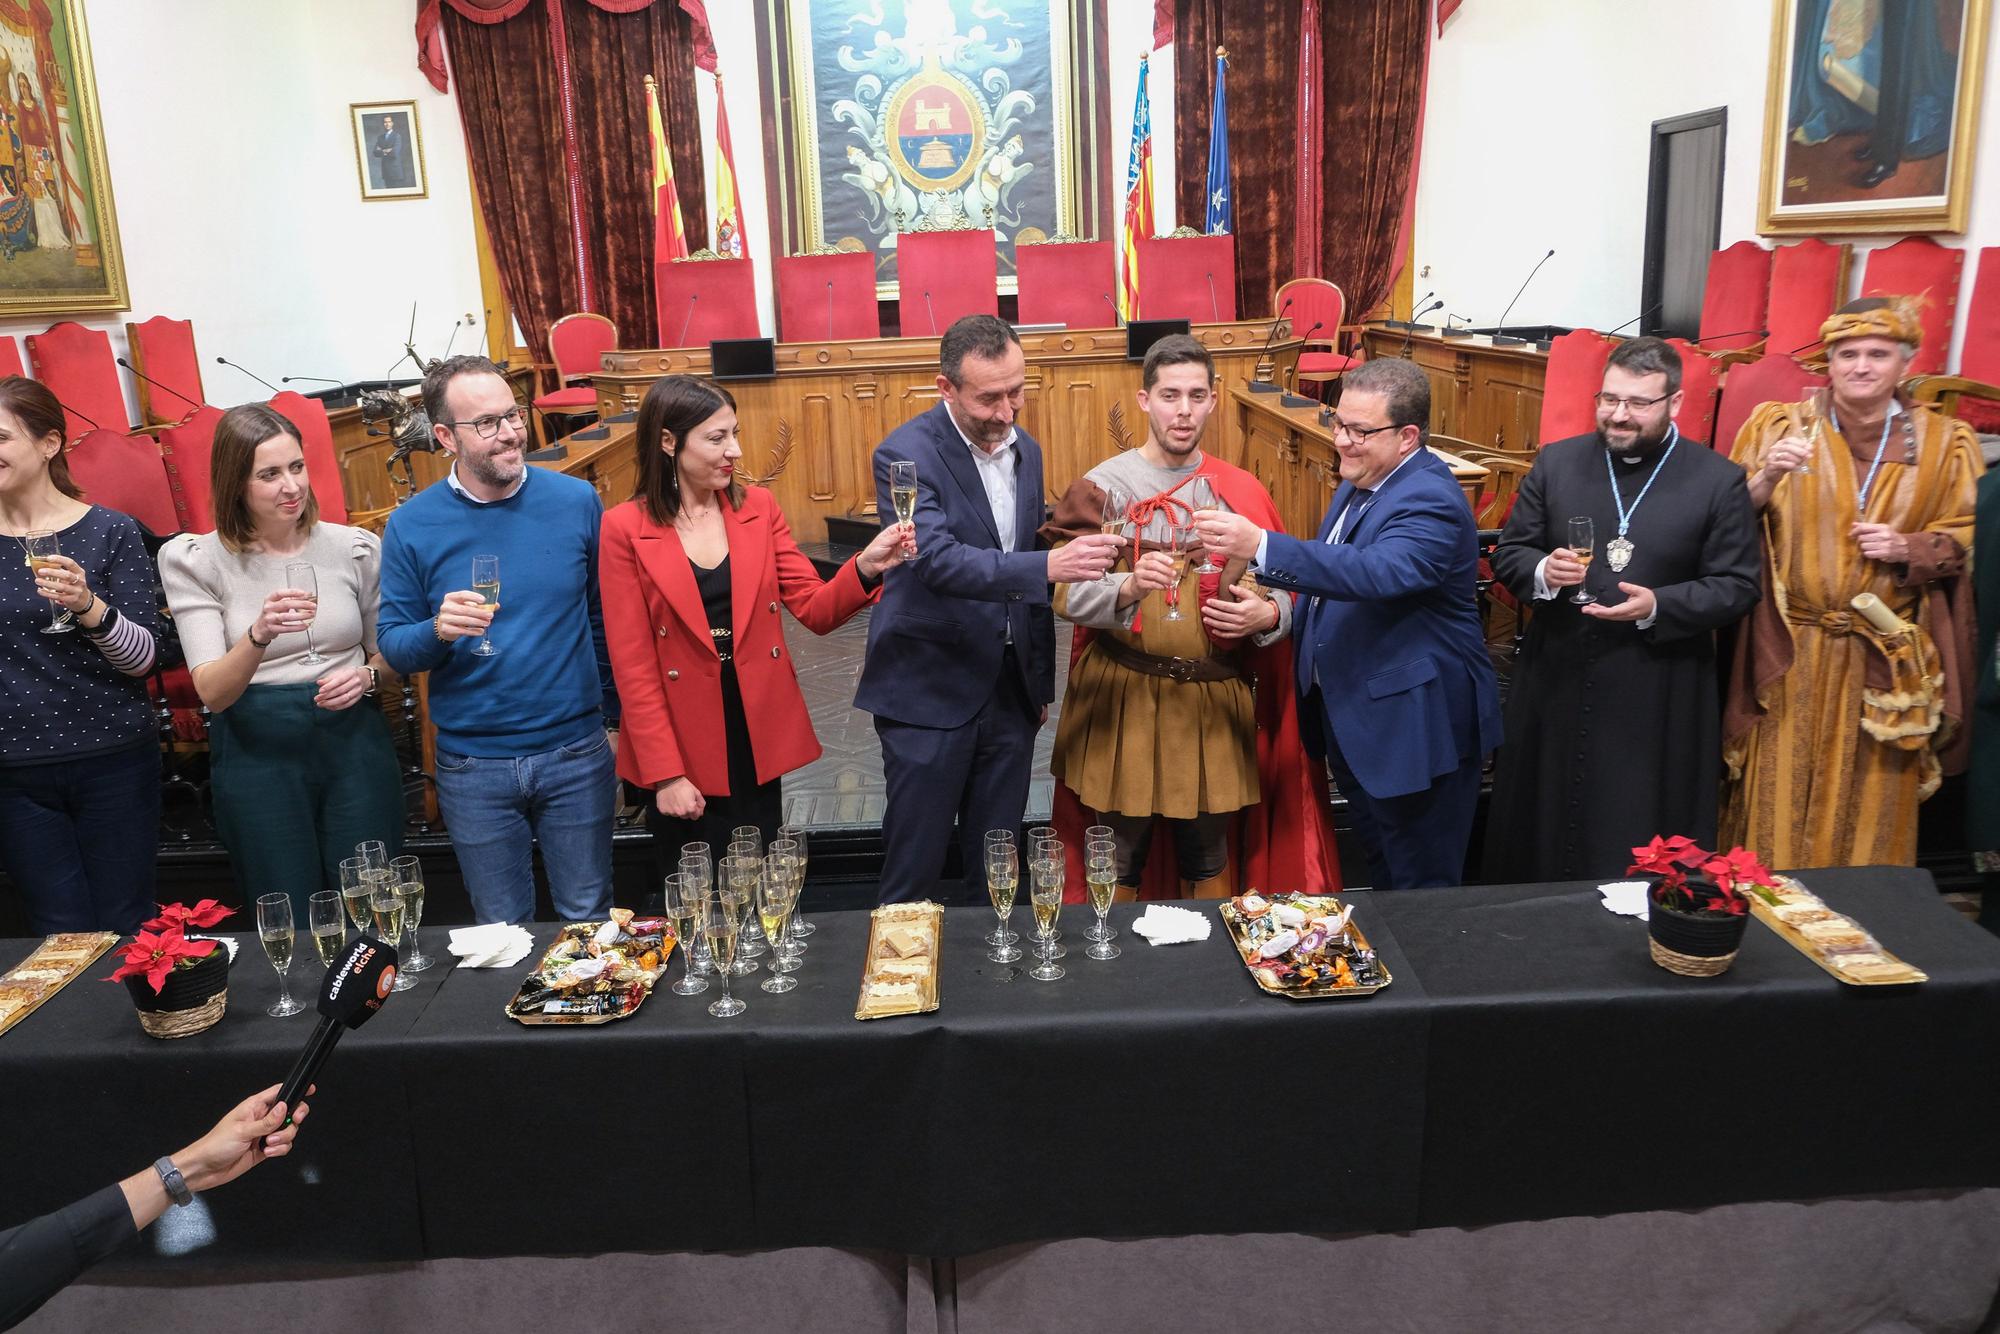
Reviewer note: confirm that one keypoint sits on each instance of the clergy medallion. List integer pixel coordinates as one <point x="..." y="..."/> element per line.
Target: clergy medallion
<point x="1618" y="552"/>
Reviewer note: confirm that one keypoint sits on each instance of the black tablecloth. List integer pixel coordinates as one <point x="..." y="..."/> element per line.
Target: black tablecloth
<point x="1529" y="1062"/>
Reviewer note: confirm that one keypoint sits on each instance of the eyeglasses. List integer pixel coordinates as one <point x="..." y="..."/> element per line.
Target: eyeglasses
<point x="1359" y="432"/>
<point x="1611" y="402"/>
<point x="488" y="427"/>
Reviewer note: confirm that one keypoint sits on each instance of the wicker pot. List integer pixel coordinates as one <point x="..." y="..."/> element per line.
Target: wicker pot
<point x="1694" y="944"/>
<point x="190" y="1000"/>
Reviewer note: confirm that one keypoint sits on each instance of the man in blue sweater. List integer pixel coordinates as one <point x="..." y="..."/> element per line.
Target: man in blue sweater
<point x="522" y="754"/>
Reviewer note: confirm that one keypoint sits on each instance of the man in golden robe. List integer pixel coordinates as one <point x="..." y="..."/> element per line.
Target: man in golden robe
<point x="1850" y="682"/>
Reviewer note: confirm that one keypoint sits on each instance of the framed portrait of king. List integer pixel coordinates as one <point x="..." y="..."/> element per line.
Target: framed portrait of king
<point x="59" y="251"/>
<point x="895" y="116"/>
<point x="1871" y="115"/>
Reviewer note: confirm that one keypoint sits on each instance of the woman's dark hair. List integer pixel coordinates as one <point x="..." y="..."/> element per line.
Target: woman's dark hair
<point x="231" y="461"/>
<point x="673" y="407"/>
<point x="40" y="415"/>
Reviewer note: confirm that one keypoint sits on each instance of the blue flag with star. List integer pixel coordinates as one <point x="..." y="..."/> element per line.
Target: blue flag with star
<point x="1221" y="202"/>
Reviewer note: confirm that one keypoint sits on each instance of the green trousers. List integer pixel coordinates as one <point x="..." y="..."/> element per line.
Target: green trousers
<point x="295" y="787"/>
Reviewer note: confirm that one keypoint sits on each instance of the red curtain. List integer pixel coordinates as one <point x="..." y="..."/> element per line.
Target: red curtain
<point x="1371" y="81"/>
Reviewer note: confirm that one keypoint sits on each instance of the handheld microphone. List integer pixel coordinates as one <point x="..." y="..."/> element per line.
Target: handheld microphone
<point x="829" y="312"/>
<point x="353" y="990"/>
<point x="1761" y="333"/>
<point x="252" y="374"/>
<point x="1501" y="338"/>
<point x="1214" y="310"/>
<point x="1636" y="319"/>
<point x="682" y="340"/>
<point x="1270" y="386"/>
<point x="1117" y="320"/>
<point x="930" y="313"/>
<point x="156" y="384"/>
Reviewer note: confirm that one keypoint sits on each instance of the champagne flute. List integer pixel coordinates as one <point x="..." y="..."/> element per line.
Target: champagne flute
<point x="781" y="858"/>
<point x="903" y="491"/>
<point x="683" y="902"/>
<point x="325" y="916"/>
<point x="1047" y="892"/>
<point x="774" y="905"/>
<point x="1100" y="876"/>
<point x="486" y="583"/>
<point x="301" y="575"/>
<point x="407" y="875"/>
<point x="1092" y="837"/>
<point x="738" y="887"/>
<point x="1177" y="552"/>
<point x="391" y="917"/>
<point x="800" y="928"/>
<point x="354" y="890"/>
<point x="747" y="840"/>
<point x="1201" y="496"/>
<point x="1047" y="854"/>
<point x="1809" y="424"/>
<point x="719" y="926"/>
<point x="700" y="873"/>
<point x="375" y="852"/>
<point x="276" y="934"/>
<point x="1116" y="502"/>
<point x="1582" y="542"/>
<point x="1002" y="878"/>
<point x="41" y="547"/>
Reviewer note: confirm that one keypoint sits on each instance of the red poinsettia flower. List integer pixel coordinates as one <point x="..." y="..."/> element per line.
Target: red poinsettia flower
<point x="205" y="914"/>
<point x="1736" y="868"/>
<point x="154" y="954"/>
<point x="1668" y="858"/>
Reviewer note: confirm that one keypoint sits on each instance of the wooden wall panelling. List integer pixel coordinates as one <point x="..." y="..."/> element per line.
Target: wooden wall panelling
<point x="1491" y="396"/>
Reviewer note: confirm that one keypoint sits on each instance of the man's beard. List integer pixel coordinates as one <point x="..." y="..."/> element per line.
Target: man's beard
<point x="1167" y="444"/>
<point x="1643" y="443"/>
<point x="484" y="469"/>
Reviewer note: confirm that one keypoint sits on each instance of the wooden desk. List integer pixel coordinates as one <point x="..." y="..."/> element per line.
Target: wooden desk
<point x="809" y="432"/>
<point x="1491" y="396"/>
<point x="1293" y="456"/>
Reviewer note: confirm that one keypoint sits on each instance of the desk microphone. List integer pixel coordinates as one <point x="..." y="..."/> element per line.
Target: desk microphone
<point x="1449" y="332"/>
<point x="353" y="990"/>
<point x="447" y="343"/>
<point x="1214" y="310"/>
<point x="682" y="340"/>
<point x="1500" y="337"/>
<point x="1411" y="322"/>
<point x="252" y="374"/>
<point x="156" y="384"/>
<point x="929" y="312"/>
<point x="829" y="312"/>
<point x="74" y="413"/>
<point x="1761" y="333"/>
<point x="1117" y="320"/>
<point x="1410" y="329"/>
<point x="1636" y="319"/>
<point x="1270" y="386"/>
<point x="316" y="379"/>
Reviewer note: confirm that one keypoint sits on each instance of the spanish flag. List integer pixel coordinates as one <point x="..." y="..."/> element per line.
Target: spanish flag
<point x="728" y="216"/>
<point x="1138" y="198"/>
<point x="669" y="237"/>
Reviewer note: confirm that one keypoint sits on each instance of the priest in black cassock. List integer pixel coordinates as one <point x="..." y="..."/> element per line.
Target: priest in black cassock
<point x="1613" y="719"/>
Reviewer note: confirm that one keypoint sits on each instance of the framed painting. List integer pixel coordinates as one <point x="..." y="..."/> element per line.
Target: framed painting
<point x="388" y="150"/>
<point x="895" y="116"/>
<point x="1871" y="115"/>
<point x="59" y="252"/>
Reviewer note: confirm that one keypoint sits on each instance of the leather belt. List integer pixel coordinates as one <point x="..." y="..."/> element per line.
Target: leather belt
<point x="1184" y="670"/>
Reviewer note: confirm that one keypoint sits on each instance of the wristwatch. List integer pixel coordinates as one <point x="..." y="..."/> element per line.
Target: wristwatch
<point x="176" y="1184"/>
<point x="374" y="680"/>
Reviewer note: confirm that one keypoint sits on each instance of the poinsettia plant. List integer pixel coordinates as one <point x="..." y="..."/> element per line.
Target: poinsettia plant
<point x="1719" y="893"/>
<point x="163" y="944"/>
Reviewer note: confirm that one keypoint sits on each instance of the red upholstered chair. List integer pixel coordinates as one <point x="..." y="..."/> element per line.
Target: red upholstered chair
<point x="1735" y="297"/>
<point x="1919" y="267"/>
<point x="1070" y="283"/>
<point x="10" y="356"/>
<point x="576" y="342"/>
<point x="828" y="298"/>
<point x="322" y="464"/>
<point x="1974" y="393"/>
<point x="77" y="365"/>
<point x="1316" y="308"/>
<point x="163" y="350"/>
<point x="125" y="473"/>
<point x="186" y="446"/>
<point x="1701" y="389"/>
<point x="1808" y="282"/>
<point x="1190" y="278"/>
<point x="1575" y="375"/>
<point x="701" y="300"/>
<point x="941" y="277"/>
<point x="1772" y="378"/>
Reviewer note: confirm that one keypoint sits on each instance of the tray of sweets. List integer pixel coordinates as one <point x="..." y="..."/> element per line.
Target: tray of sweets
<point x="595" y="972"/>
<point x="53" y="965"/>
<point x="1837" y="943"/>
<point x="900" y="975"/>
<point x="1303" y="946"/>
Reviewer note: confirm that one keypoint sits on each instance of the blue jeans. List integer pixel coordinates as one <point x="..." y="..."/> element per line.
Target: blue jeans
<point x="79" y="839"/>
<point x="498" y="809"/>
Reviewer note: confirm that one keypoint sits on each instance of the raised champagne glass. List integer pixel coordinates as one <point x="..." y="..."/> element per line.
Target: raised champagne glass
<point x="486" y="583"/>
<point x="903" y="491"/>
<point x="1116" y="502"/>
<point x="719" y="926"/>
<point x="41" y="547"/>
<point x="1201" y="496"/>
<point x="301" y="575"/>
<point x="1809" y="428"/>
<point x="326" y="917"/>
<point x="277" y="934"/>
<point x="1582" y="543"/>
<point x="407" y="875"/>
<point x="1178" y="538"/>
<point x="1003" y="877"/>
<point x="683" y="905"/>
<point x="801" y="928"/>
<point x="1100" y="877"/>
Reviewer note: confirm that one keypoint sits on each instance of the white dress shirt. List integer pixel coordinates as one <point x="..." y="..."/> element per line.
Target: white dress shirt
<point x="996" y="474"/>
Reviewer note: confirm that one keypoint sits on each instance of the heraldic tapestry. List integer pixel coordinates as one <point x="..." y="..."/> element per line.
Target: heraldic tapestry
<point x="906" y="115"/>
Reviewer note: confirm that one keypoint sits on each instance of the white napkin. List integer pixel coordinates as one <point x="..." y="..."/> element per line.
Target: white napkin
<point x="1626" y="897"/>
<point x="495" y="945"/>
<point x="1161" y="924"/>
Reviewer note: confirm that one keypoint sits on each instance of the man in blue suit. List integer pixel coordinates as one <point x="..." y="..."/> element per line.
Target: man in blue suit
<point x="1390" y="658"/>
<point x="961" y="648"/>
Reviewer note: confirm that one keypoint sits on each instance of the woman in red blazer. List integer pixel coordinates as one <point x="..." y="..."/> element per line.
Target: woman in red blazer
<point x="691" y="572"/>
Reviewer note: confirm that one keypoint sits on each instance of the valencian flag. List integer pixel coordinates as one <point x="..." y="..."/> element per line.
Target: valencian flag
<point x="1138" y="198"/>
<point x="1221" y="203"/>
<point x="669" y="237"/>
<point x="728" y="214"/>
